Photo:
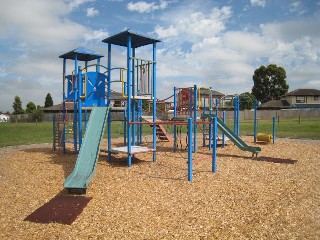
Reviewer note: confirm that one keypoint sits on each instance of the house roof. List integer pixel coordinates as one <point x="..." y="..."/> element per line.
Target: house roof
<point x="83" y="54"/>
<point x="304" y="92"/>
<point x="121" y="39"/>
<point x="274" y="104"/>
<point x="206" y="92"/>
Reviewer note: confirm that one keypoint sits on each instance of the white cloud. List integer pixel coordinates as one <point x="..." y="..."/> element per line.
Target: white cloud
<point x="91" y="12"/>
<point x="197" y="24"/>
<point x="146" y="7"/>
<point x="34" y="34"/>
<point x="296" y="7"/>
<point x="73" y="4"/>
<point x="260" y="3"/>
<point x="95" y="35"/>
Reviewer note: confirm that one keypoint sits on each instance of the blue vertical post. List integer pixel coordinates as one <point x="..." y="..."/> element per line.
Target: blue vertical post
<point x="76" y="98"/>
<point x="255" y="123"/>
<point x="204" y="127"/>
<point x="85" y="119"/>
<point x="235" y="115"/>
<point x="238" y="116"/>
<point x="154" y="95"/>
<point x="80" y="82"/>
<point x="98" y="65"/>
<point x="54" y="132"/>
<point x="190" y="149"/>
<point x="214" y="148"/>
<point x="133" y="102"/>
<point x="139" y="119"/>
<point x="64" y="108"/>
<point x="210" y="125"/>
<point x="274" y="129"/>
<point x="190" y="102"/>
<point x="174" y="117"/>
<point x="108" y="101"/>
<point x="134" y="119"/>
<point x="223" y="135"/>
<point x="195" y="116"/>
<point x="217" y="104"/>
<point x="129" y="92"/>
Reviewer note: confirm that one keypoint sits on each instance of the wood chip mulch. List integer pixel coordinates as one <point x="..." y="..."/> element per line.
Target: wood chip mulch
<point x="276" y="196"/>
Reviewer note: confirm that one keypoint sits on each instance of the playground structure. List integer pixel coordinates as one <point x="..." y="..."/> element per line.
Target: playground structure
<point x="91" y="90"/>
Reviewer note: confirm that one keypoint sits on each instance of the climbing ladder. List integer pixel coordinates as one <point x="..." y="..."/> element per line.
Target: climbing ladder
<point x="160" y="130"/>
<point x="61" y="125"/>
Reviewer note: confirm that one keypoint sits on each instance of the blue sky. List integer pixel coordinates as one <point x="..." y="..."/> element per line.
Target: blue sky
<point x="204" y="42"/>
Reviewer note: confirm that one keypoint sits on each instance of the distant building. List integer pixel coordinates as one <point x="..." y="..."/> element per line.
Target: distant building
<point x="5" y="117"/>
<point x="297" y="99"/>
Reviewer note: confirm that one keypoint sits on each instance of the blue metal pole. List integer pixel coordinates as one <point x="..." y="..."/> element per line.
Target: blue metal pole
<point x="139" y="118"/>
<point x="190" y="149"/>
<point x="238" y="116"/>
<point x="255" y="123"/>
<point x="108" y="101"/>
<point x="235" y="115"/>
<point x="64" y="108"/>
<point x="154" y="95"/>
<point x="80" y="82"/>
<point x="214" y="149"/>
<point x="274" y="129"/>
<point x="98" y="65"/>
<point x="195" y="111"/>
<point x="129" y="92"/>
<point x="54" y="132"/>
<point x="210" y="112"/>
<point x="76" y="98"/>
<point x="204" y="127"/>
<point x="223" y="135"/>
<point x="190" y="102"/>
<point x="85" y="119"/>
<point x="134" y="119"/>
<point x="174" y="116"/>
<point x="217" y="104"/>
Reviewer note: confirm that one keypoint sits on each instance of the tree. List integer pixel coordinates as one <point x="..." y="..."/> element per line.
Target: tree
<point x="48" y="102"/>
<point x="38" y="114"/>
<point x="269" y="83"/>
<point x="246" y="101"/>
<point x="17" y="106"/>
<point x="31" y="107"/>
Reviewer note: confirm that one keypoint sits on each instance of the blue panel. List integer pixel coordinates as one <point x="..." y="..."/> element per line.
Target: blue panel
<point x="95" y="90"/>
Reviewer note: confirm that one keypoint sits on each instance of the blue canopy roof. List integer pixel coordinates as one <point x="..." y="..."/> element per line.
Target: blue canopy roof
<point x="83" y="54"/>
<point x="121" y="39"/>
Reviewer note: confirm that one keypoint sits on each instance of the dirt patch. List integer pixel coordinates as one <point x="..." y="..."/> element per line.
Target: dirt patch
<point x="273" y="197"/>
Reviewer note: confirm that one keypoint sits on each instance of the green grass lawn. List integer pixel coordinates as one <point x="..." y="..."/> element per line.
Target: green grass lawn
<point x="31" y="133"/>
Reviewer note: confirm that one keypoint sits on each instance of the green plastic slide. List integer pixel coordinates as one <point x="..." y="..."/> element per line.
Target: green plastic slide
<point x="236" y="139"/>
<point x="78" y="180"/>
<point x="233" y="137"/>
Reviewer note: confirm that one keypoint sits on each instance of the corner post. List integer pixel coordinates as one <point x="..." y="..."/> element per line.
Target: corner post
<point x="108" y="102"/>
<point x="154" y="96"/>
<point x="189" y="149"/>
<point x="129" y="92"/>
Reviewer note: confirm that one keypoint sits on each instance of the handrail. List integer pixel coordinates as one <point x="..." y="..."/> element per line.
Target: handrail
<point x="122" y="80"/>
<point x="84" y="84"/>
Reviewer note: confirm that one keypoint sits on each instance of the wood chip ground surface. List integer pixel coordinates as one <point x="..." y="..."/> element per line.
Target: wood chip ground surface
<point x="276" y="196"/>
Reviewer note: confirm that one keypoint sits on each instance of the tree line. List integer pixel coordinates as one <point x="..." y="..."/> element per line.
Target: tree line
<point x="31" y="108"/>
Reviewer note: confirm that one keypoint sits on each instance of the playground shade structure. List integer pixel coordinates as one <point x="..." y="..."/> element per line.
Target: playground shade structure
<point x="78" y="180"/>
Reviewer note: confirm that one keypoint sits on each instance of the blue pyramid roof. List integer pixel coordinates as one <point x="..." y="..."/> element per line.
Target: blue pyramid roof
<point x="83" y="54"/>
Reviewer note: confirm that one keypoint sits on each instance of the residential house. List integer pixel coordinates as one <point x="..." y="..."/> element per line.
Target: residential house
<point x="297" y="99"/>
